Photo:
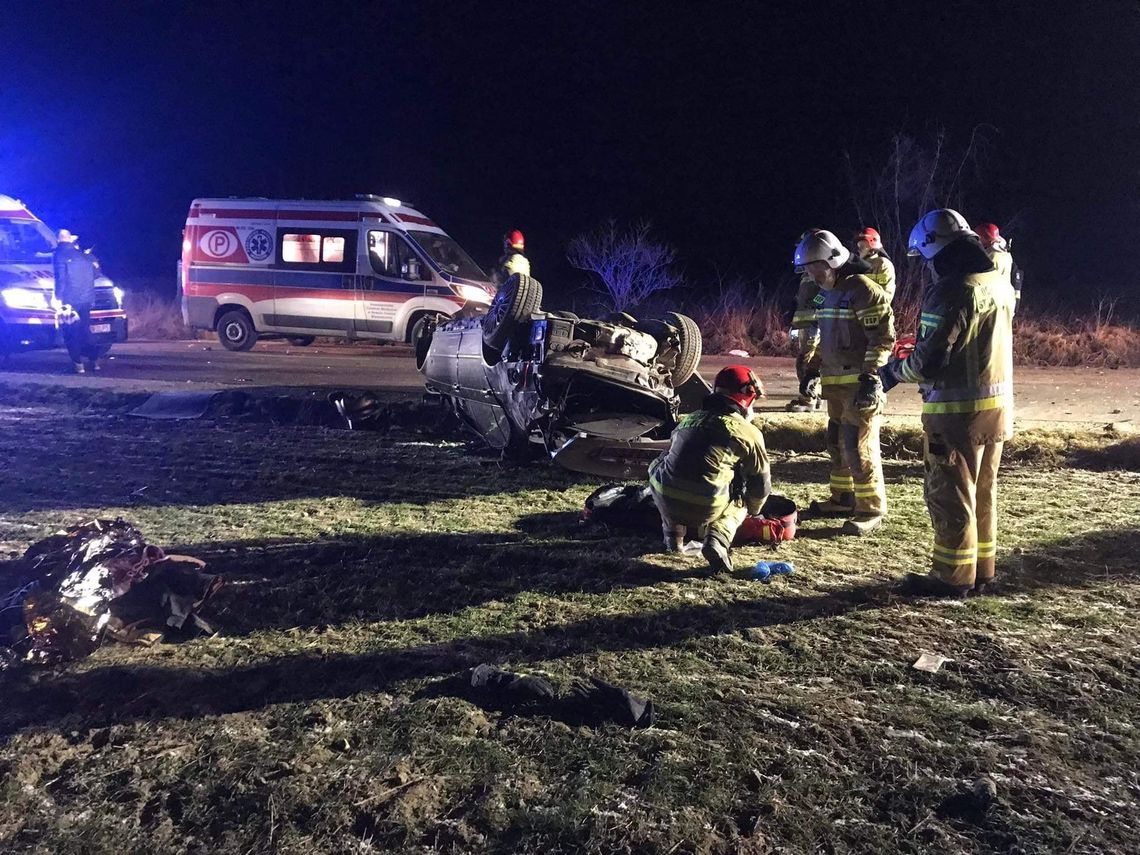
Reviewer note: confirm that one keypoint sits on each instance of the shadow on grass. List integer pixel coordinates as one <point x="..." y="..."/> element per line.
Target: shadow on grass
<point x="104" y="696"/>
<point x="406" y="576"/>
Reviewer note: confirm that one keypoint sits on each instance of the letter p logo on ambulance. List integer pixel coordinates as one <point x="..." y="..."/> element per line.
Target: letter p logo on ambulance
<point x="218" y="243"/>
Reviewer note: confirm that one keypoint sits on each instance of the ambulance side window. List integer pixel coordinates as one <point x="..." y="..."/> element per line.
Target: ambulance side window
<point x="317" y="249"/>
<point x="391" y="256"/>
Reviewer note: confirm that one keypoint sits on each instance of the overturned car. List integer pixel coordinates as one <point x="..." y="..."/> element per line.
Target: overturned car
<point x="598" y="396"/>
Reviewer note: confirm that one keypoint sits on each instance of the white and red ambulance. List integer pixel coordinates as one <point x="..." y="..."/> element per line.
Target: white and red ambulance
<point x="30" y="316"/>
<point x="366" y="268"/>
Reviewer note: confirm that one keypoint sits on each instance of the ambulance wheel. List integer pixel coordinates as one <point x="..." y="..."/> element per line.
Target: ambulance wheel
<point x="235" y="330"/>
<point x="420" y="324"/>
<point x="300" y="340"/>
<point x="517" y="299"/>
<point x="690" y="355"/>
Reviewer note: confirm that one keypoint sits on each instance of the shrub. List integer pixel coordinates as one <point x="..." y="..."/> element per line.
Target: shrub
<point x="152" y="316"/>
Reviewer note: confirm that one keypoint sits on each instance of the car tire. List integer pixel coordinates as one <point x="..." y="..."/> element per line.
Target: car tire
<point x="300" y="340"/>
<point x="416" y="331"/>
<point x="235" y="330"/>
<point x="517" y="299"/>
<point x="689" y="357"/>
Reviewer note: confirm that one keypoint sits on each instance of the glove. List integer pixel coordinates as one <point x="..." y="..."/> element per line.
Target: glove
<point x="870" y="395"/>
<point x="809" y="386"/>
<point x="904" y="347"/>
<point x="887" y="377"/>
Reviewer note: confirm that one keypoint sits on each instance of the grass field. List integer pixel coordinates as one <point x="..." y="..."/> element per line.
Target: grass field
<point x="366" y="569"/>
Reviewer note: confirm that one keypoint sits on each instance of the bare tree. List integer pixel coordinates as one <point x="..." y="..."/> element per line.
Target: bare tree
<point x="628" y="265"/>
<point x="918" y="175"/>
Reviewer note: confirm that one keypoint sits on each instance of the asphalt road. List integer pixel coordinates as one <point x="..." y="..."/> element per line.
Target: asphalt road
<point x="1095" y="396"/>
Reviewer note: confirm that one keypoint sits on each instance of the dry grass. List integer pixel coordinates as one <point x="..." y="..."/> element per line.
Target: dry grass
<point x="152" y="316"/>
<point x="760" y="326"/>
<point x="364" y="569"/>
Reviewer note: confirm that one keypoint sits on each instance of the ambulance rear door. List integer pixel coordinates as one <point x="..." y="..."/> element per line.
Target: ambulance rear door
<point x="391" y="275"/>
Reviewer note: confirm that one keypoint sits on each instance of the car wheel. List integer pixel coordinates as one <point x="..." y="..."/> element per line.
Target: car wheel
<point x="235" y="330"/>
<point x="419" y="326"/>
<point x="517" y="299"/>
<point x="300" y="340"/>
<point x="689" y="356"/>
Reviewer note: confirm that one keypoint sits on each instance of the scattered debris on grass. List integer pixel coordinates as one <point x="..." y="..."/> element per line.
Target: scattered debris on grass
<point x="71" y="589"/>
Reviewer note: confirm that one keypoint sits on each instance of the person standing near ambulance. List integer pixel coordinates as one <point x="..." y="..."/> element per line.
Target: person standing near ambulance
<point x="513" y="260"/>
<point x="869" y="245"/>
<point x="74" y="273"/>
<point x="963" y="363"/>
<point x="692" y="482"/>
<point x="997" y="248"/>
<point x="856" y="329"/>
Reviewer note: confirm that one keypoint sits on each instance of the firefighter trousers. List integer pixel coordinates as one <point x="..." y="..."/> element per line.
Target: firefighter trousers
<point x="718" y="524"/>
<point x="856" y="459"/>
<point x="961" y="495"/>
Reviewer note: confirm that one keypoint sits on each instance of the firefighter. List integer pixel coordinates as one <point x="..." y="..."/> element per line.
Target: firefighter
<point x="963" y="363"/>
<point x="997" y="248"/>
<point x="709" y="451"/>
<point x="870" y="248"/>
<point x="806" y="330"/>
<point x="512" y="260"/>
<point x="856" y="329"/>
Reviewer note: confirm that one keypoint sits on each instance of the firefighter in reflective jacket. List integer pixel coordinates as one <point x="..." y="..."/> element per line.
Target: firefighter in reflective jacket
<point x="997" y="248"/>
<point x="512" y="260"/>
<point x="963" y="362"/>
<point x="870" y="247"/>
<point x="856" y="333"/>
<point x="709" y="451"/>
<point x="806" y="328"/>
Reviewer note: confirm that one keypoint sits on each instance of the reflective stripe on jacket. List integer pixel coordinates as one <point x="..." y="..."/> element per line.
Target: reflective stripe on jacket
<point x="708" y="449"/>
<point x="512" y="262"/>
<point x="882" y="272"/>
<point x="963" y="360"/>
<point x="856" y="329"/>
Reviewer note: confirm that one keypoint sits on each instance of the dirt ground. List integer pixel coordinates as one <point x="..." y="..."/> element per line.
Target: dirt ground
<point x="1095" y="395"/>
<point x="367" y="570"/>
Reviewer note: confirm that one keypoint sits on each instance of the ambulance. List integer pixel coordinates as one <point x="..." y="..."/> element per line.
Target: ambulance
<point x="30" y="316"/>
<point x="366" y="268"/>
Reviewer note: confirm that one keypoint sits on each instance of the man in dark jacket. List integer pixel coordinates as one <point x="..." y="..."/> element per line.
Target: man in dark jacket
<point x="75" y="287"/>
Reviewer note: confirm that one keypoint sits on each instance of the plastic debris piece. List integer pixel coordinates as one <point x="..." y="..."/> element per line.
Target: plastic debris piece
<point x="930" y="662"/>
<point x="742" y="353"/>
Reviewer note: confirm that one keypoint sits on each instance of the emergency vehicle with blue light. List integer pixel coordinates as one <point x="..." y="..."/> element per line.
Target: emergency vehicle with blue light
<point x="366" y="268"/>
<point x="31" y="318"/>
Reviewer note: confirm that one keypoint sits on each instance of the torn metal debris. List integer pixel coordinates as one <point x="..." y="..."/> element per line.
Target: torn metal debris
<point x="101" y="578"/>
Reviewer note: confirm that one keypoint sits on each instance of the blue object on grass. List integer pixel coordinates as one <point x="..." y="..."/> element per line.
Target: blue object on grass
<point x="765" y="570"/>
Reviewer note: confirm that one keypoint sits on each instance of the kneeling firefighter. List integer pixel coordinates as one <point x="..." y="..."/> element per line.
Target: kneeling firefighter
<point x="963" y="363"/>
<point x="856" y="333"/>
<point x="692" y="482"/>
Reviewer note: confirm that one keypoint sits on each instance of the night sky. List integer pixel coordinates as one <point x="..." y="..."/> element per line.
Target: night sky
<point x="725" y="124"/>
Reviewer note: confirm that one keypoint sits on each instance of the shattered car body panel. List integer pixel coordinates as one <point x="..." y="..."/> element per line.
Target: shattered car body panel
<point x="598" y="396"/>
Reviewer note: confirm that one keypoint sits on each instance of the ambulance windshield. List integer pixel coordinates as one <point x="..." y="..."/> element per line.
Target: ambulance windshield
<point x="448" y="255"/>
<point x="25" y="241"/>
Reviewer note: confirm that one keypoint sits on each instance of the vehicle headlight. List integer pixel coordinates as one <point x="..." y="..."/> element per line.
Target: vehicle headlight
<point x="118" y="292"/>
<point x="473" y="293"/>
<point x="24" y="298"/>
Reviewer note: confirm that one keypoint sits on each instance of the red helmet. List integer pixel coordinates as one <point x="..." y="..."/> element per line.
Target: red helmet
<point x="874" y="241"/>
<point x="514" y="239"/>
<point x="739" y="383"/>
<point x="989" y="234"/>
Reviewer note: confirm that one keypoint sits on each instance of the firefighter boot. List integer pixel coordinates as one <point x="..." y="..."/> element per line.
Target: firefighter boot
<point x="862" y="524"/>
<point x="831" y="508"/>
<point x="674" y="537"/>
<point x="922" y="585"/>
<point x="717" y="555"/>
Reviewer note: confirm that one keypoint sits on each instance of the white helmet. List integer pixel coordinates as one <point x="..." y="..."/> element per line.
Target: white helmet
<point x="821" y="245"/>
<point x="937" y="229"/>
